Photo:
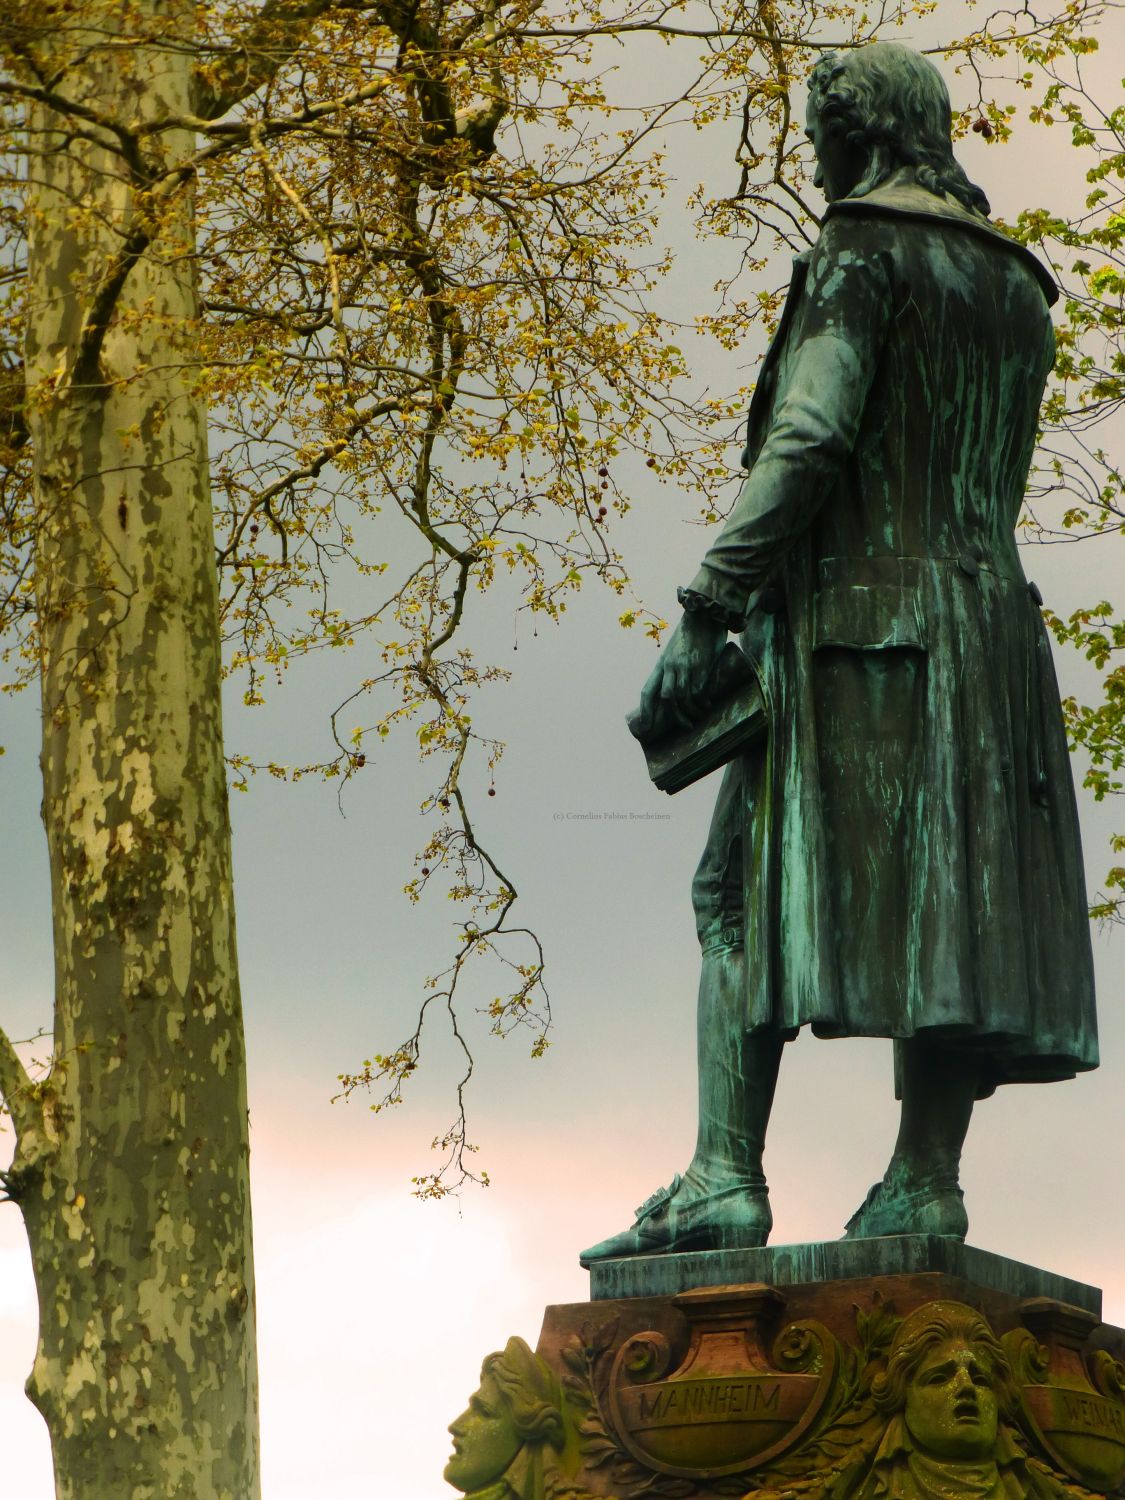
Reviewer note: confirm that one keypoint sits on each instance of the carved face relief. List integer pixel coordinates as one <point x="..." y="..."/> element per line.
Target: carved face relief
<point x="839" y="167"/>
<point x="485" y="1440"/>
<point x="951" y="1407"/>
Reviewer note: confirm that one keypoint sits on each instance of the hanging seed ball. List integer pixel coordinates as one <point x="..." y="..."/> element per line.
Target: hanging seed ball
<point x="601" y="511"/>
<point x="651" y="463"/>
<point x="492" y="791"/>
<point x="603" y="472"/>
<point x="361" y="760"/>
<point x="425" y="869"/>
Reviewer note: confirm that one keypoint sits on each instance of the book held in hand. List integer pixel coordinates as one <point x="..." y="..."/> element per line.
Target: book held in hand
<point x="734" y="718"/>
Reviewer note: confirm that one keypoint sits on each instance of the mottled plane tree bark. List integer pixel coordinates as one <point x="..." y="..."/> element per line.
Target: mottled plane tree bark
<point x="132" y="1165"/>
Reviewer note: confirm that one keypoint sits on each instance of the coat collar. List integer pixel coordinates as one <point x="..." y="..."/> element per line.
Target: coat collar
<point x="763" y="387"/>
<point x="903" y="198"/>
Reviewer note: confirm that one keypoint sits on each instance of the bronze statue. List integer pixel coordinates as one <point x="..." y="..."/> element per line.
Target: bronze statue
<point x="898" y="856"/>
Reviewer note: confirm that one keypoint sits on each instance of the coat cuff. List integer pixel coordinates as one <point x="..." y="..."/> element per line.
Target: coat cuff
<point x="695" y="600"/>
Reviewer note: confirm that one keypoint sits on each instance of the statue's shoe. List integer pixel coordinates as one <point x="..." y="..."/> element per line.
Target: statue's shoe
<point x="892" y="1207"/>
<point x="679" y="1217"/>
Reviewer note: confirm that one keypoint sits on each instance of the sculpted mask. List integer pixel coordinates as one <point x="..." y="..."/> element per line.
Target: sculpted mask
<point x="951" y="1407"/>
<point x="485" y="1440"/>
<point x="512" y="1428"/>
<point x="945" y="1389"/>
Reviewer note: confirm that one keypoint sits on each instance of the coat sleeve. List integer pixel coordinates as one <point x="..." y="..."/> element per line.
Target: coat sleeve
<point x="838" y="335"/>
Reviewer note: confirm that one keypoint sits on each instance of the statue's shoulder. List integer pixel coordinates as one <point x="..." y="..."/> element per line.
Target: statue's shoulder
<point x="908" y="201"/>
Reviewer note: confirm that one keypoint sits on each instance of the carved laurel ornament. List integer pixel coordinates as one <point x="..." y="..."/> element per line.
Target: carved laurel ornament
<point x="742" y="1402"/>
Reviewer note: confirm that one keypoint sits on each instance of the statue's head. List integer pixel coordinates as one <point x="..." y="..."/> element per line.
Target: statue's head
<point x="878" y="108"/>
<point x="518" y="1407"/>
<point x="950" y="1379"/>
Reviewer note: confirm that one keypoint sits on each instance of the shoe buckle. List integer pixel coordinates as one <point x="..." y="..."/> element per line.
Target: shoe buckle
<point x="658" y="1199"/>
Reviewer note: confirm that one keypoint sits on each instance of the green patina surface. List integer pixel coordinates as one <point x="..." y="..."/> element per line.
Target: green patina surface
<point x="897" y="855"/>
<point x="835" y="1260"/>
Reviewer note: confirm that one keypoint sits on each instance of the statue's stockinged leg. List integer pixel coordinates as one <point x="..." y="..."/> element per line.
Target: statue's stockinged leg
<point x="721" y="1201"/>
<point x="737" y="1078"/>
<point x="919" y="1193"/>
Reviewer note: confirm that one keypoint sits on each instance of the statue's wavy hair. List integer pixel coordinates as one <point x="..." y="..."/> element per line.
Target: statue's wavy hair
<point x="530" y="1392"/>
<point x="891" y="103"/>
<point x="933" y="1324"/>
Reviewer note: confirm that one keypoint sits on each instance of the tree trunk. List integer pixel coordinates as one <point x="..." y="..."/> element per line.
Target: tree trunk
<point x="132" y="1163"/>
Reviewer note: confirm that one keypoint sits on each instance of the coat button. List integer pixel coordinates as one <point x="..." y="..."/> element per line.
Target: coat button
<point x="968" y="565"/>
<point x="1036" y="593"/>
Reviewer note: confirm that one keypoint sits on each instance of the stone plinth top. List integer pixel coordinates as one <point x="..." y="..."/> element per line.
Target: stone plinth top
<point x="836" y="1260"/>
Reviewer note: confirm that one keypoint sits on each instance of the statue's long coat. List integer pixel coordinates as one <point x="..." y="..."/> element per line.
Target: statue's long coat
<point x="906" y="840"/>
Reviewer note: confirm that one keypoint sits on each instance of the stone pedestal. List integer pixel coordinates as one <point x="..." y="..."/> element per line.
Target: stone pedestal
<point x="900" y="1369"/>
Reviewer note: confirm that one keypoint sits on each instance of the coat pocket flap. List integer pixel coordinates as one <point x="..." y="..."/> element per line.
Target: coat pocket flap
<point x="868" y="617"/>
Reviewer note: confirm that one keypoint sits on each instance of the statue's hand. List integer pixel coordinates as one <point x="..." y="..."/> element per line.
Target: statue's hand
<point x="674" y="692"/>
